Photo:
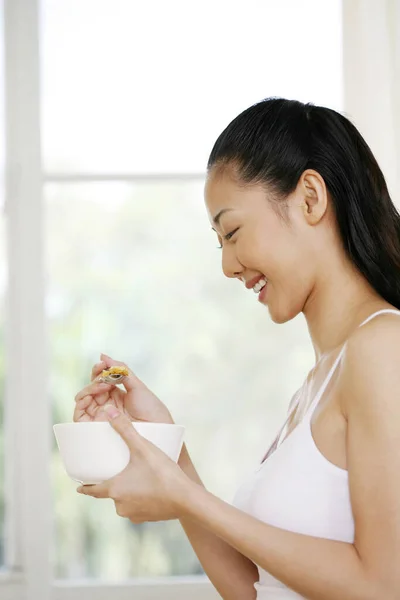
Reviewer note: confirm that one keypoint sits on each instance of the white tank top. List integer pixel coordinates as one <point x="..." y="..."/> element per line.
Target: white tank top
<point x="296" y="488"/>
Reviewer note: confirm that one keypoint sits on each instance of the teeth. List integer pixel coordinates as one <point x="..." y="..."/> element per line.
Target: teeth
<point x="259" y="286"/>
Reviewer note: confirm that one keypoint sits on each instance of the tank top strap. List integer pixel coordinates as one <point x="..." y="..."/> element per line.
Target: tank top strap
<point x="380" y="312"/>
<point x="325" y="383"/>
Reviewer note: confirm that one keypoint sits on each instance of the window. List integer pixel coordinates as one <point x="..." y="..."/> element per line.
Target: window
<point x="133" y="96"/>
<point x="127" y="130"/>
<point x="3" y="280"/>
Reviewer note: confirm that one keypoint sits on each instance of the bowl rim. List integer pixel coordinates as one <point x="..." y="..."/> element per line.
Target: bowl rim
<point x="145" y="423"/>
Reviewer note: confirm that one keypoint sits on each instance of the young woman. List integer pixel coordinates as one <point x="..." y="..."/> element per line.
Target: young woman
<point x="303" y="216"/>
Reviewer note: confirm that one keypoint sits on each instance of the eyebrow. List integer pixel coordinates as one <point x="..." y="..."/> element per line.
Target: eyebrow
<point x="218" y="216"/>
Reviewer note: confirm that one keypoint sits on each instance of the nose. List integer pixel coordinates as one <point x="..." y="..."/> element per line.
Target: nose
<point x="231" y="266"/>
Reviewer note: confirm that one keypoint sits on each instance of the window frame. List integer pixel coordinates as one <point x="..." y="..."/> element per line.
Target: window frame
<point x="27" y="480"/>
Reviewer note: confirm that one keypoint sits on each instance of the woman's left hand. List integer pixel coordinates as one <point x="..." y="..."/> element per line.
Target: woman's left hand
<point x="151" y="487"/>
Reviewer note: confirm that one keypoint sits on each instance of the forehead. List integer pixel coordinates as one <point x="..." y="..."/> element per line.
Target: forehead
<point x="223" y="191"/>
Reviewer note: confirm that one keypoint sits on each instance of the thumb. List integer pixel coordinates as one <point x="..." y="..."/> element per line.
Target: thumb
<point x="108" y="360"/>
<point x="122" y="425"/>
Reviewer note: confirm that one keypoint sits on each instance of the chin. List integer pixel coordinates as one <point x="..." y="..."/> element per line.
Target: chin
<point x="283" y="313"/>
<point x="280" y="318"/>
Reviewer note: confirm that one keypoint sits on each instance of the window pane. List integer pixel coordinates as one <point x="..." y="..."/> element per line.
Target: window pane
<point x="3" y="280"/>
<point x="147" y="86"/>
<point x="134" y="272"/>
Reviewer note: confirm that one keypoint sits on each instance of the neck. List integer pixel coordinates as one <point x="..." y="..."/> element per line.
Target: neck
<point x="337" y="305"/>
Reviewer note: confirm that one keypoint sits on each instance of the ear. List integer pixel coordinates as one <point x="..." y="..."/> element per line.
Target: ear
<point x="314" y="196"/>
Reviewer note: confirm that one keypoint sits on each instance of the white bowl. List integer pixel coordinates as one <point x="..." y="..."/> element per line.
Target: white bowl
<point x="93" y="452"/>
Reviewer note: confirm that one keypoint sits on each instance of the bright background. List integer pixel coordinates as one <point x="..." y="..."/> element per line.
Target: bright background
<point x="133" y="267"/>
<point x="123" y="106"/>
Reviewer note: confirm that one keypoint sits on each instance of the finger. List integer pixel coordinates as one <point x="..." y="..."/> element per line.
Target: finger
<point x="89" y="400"/>
<point x="80" y="413"/>
<point x="131" y="381"/>
<point x="85" y="402"/>
<point x="99" y="400"/>
<point x="96" y="491"/>
<point x="92" y="389"/>
<point x="90" y="409"/>
<point x="123" y="426"/>
<point x="97" y="369"/>
<point x="110" y="362"/>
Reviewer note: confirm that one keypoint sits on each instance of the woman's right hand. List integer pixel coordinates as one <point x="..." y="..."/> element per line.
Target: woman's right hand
<point x="136" y="400"/>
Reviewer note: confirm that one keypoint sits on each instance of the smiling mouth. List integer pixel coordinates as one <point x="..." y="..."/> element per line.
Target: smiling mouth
<point x="260" y="285"/>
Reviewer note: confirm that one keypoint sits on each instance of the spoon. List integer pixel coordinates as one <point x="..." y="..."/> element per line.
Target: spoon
<point x="113" y="378"/>
<point x="113" y="375"/>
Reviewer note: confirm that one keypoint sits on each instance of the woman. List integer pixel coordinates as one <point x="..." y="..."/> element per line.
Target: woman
<point x="303" y="216"/>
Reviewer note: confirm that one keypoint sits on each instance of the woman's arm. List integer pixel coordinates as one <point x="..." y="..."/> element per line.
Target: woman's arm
<point x="316" y="568"/>
<point x="232" y="574"/>
<point x="369" y="385"/>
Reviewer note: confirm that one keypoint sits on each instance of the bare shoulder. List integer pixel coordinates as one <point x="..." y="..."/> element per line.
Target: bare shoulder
<point x="369" y="389"/>
<point x="381" y="334"/>
<point x="370" y="370"/>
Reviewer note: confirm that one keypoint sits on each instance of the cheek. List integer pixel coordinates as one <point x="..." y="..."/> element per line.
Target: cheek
<point x="251" y="252"/>
<point x="295" y="270"/>
<point x="289" y="266"/>
<point x="290" y="254"/>
<point x="278" y="255"/>
<point x="292" y="286"/>
<point x="277" y="252"/>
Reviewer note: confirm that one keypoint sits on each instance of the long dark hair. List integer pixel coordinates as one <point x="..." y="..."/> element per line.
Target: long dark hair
<point x="275" y="140"/>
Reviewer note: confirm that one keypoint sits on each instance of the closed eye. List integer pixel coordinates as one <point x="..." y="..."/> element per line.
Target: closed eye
<point x="229" y="236"/>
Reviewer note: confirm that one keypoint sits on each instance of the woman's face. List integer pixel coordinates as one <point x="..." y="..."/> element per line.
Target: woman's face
<point x="258" y="243"/>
